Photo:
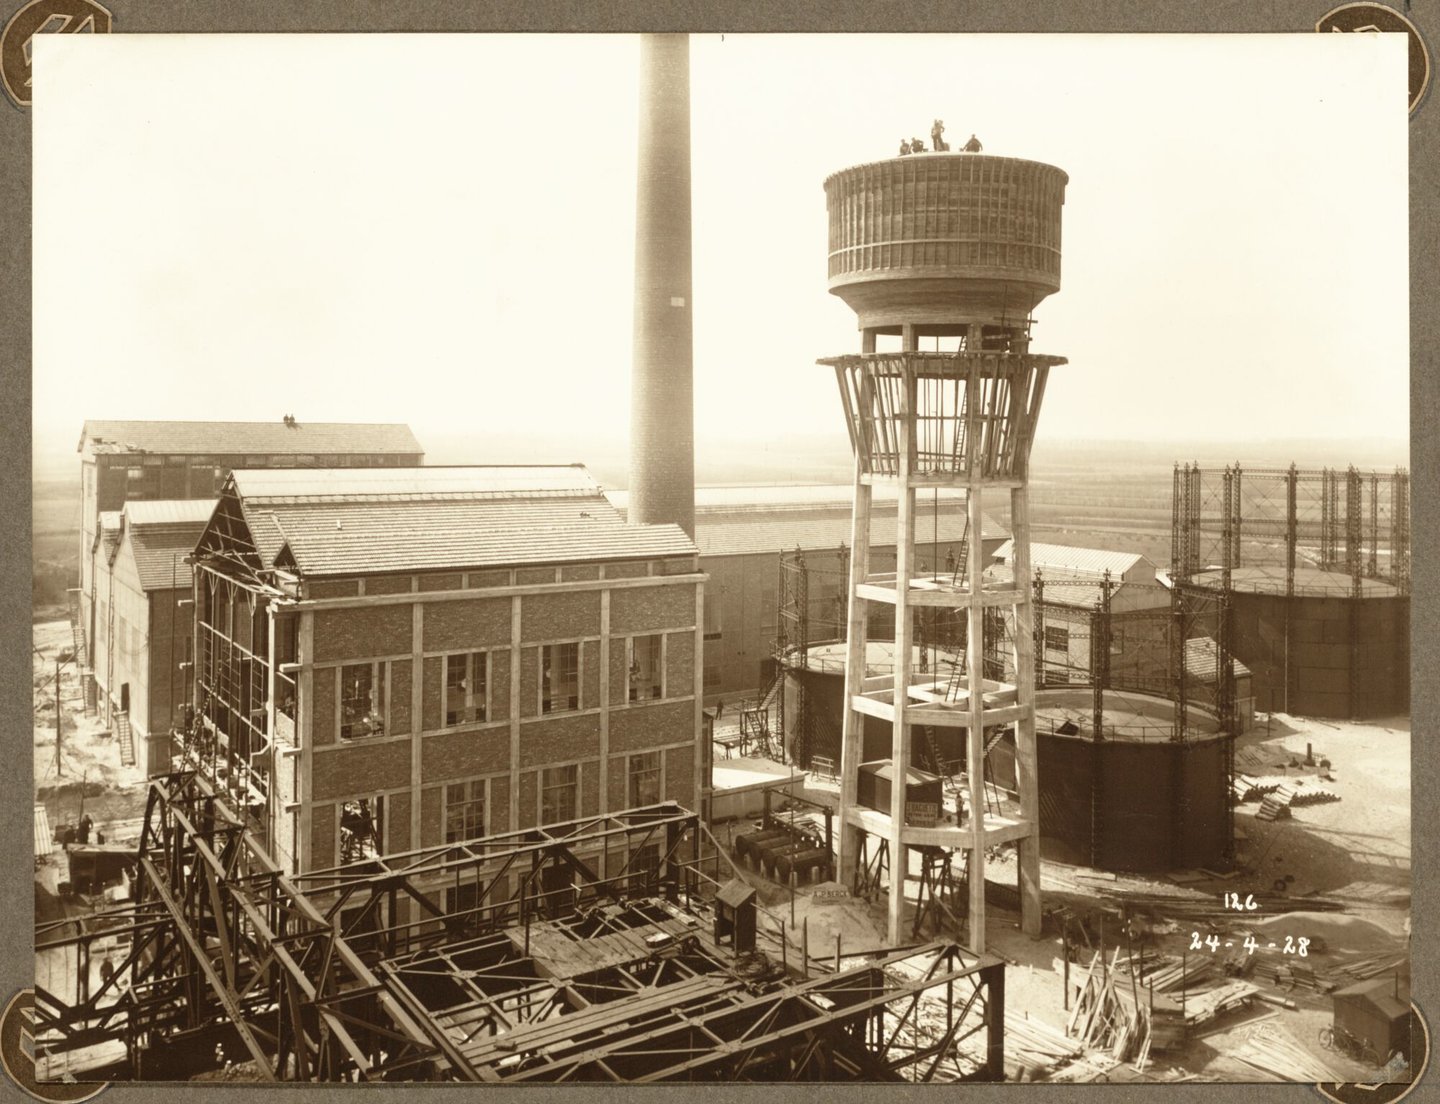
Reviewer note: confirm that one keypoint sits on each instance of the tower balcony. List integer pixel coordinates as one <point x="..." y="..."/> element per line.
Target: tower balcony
<point x="932" y="418"/>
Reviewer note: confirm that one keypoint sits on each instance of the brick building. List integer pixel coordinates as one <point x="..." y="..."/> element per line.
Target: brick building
<point x="144" y="622"/>
<point x="390" y="660"/>
<point x="130" y="461"/>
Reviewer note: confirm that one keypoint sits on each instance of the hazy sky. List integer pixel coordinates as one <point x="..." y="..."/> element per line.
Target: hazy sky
<point x="438" y="229"/>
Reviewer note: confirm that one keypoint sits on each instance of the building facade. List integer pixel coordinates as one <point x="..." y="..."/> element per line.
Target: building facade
<point x="388" y="661"/>
<point x="131" y="461"/>
<point x="145" y="623"/>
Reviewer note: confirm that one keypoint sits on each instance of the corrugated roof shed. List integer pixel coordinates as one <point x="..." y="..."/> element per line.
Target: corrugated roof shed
<point x="354" y="522"/>
<point x="1084" y="561"/>
<point x="744" y="520"/>
<point x="1069" y="591"/>
<point x="1202" y="656"/>
<point x="261" y="438"/>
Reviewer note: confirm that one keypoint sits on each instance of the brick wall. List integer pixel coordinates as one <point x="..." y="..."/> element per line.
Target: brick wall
<point x="322" y="837"/>
<point x="465" y="754"/>
<point x="560" y="616"/>
<point x="399" y="697"/>
<point x="680" y="776"/>
<point x="645" y="726"/>
<point x="679" y="664"/>
<point x="397" y="816"/>
<point x="645" y="609"/>
<point x="388" y="584"/>
<point x="559" y="738"/>
<point x="322" y="712"/>
<point x="359" y="767"/>
<point x="471" y="624"/>
<point x="361" y="632"/>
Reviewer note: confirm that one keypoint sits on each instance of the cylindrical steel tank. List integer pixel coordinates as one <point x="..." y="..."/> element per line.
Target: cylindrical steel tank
<point x="942" y="240"/>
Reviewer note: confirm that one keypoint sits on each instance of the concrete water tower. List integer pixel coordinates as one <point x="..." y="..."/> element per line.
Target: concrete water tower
<point x="949" y="253"/>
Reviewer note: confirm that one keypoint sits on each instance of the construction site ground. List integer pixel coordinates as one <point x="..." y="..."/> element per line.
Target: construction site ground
<point x="1335" y="873"/>
<point x="1344" y="865"/>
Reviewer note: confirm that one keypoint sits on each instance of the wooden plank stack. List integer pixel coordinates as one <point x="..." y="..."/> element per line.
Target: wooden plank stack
<point x="1269" y="1048"/>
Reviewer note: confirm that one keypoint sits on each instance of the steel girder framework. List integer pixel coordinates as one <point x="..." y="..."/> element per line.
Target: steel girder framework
<point x="907" y="1016"/>
<point x="219" y="936"/>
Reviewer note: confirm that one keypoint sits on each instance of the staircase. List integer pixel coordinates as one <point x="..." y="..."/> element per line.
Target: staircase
<point x="125" y="737"/>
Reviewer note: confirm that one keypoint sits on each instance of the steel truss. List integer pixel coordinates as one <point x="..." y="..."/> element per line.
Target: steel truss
<point x="420" y="966"/>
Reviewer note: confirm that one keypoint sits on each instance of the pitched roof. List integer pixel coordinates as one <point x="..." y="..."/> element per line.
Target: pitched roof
<point x="1081" y="561"/>
<point x="1067" y="591"/>
<point x="168" y="511"/>
<point x="354" y="522"/>
<point x="108" y="534"/>
<point x="260" y="438"/>
<point x="160" y="534"/>
<point x="1202" y="656"/>
<point x="770" y="518"/>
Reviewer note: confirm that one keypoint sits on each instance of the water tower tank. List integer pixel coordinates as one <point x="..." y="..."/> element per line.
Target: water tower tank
<point x="940" y="240"/>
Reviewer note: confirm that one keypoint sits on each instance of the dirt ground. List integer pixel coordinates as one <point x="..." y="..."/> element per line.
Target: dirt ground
<point x="1355" y="850"/>
<point x="89" y="778"/>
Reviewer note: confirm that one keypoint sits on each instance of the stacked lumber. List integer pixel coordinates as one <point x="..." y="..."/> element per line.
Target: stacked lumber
<point x="1269" y="1048"/>
<point x="1313" y="795"/>
<point x="1367" y="966"/>
<point x="1106" y="1015"/>
<point x="1166" y="972"/>
<point x="1037" y="1046"/>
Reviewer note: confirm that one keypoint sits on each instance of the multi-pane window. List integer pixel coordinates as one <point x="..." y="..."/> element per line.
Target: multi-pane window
<point x="559" y="677"/>
<point x="646" y="667"/>
<point x="1057" y="639"/>
<point x="466" y="681"/>
<point x="713" y="629"/>
<point x="559" y="794"/>
<point x="362" y="829"/>
<point x="643" y="786"/>
<point x="362" y="700"/>
<point x="464" y="811"/>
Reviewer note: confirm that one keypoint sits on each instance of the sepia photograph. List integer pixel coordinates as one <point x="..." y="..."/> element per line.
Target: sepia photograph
<point x="721" y="558"/>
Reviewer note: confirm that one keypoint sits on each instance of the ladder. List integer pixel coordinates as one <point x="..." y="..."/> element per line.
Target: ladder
<point x="125" y="736"/>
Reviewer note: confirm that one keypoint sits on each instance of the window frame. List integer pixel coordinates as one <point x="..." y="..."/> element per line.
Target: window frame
<point x="470" y="787"/>
<point x="468" y="693"/>
<point x="632" y="799"/>
<point x="379" y="700"/>
<point x="632" y="668"/>
<point x="544" y="787"/>
<point x="546" y="708"/>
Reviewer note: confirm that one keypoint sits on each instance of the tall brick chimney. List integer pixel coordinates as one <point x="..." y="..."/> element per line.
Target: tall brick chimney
<point x="662" y="408"/>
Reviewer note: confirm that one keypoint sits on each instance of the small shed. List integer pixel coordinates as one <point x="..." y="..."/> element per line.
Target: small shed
<point x="1378" y="1012"/>
<point x="923" y="796"/>
<point x="735" y="916"/>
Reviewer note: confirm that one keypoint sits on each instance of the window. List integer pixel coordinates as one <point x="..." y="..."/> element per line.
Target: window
<point x="362" y="700"/>
<point x="464" y="811"/>
<point x="466" y="680"/>
<point x="644" y="780"/>
<point x="559" y="677"/>
<point x="1057" y="639"/>
<point x="559" y="794"/>
<point x="712" y="617"/>
<point x="645" y="668"/>
<point x="362" y="829"/>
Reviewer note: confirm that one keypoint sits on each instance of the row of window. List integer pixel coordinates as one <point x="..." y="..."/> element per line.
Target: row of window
<point x="465" y="696"/>
<point x="466" y="805"/>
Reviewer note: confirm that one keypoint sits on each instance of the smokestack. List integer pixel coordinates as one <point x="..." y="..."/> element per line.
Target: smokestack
<point x="662" y="408"/>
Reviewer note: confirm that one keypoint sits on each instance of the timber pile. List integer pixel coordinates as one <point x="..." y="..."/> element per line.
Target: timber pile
<point x="1037" y="1046"/>
<point x="1276" y="804"/>
<point x="1313" y="795"/>
<point x="1367" y="966"/>
<point x="1107" y="1016"/>
<point x="1270" y="1049"/>
<point x="1166" y="972"/>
